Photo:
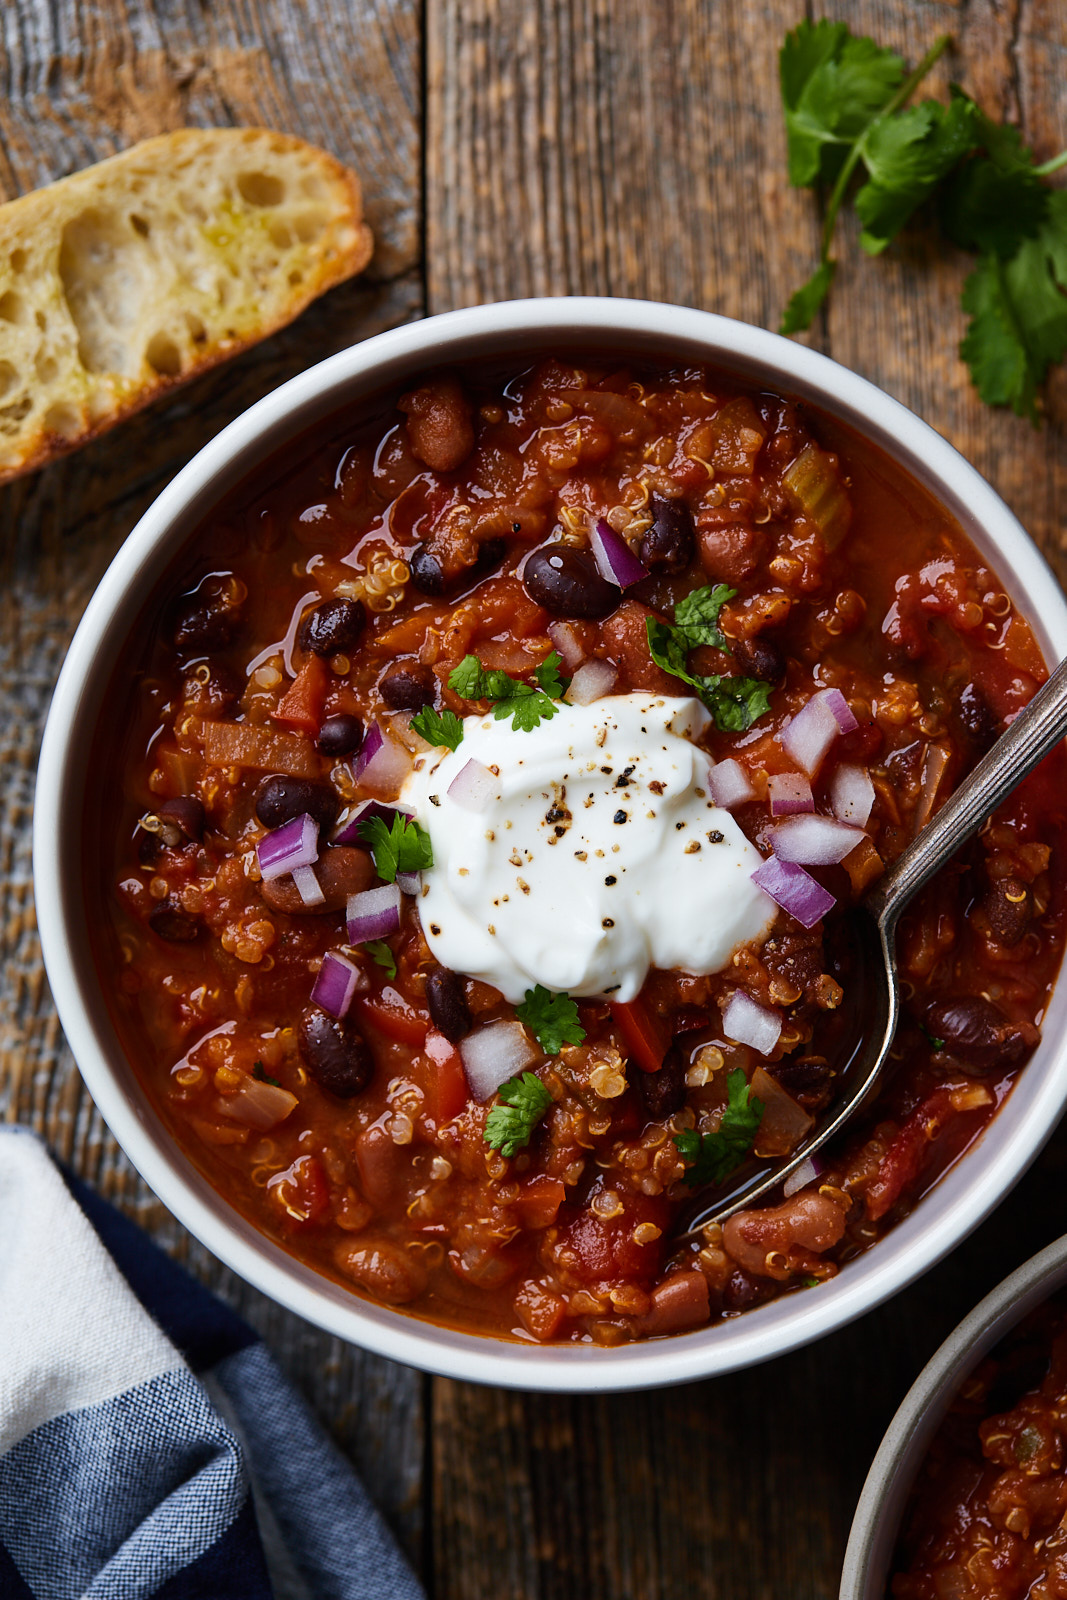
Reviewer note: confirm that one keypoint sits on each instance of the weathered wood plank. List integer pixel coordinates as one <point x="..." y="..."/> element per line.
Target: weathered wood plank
<point x="627" y="149"/>
<point x="76" y="84"/>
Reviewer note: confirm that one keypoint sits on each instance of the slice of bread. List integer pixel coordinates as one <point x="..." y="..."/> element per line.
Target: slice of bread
<point x="140" y="273"/>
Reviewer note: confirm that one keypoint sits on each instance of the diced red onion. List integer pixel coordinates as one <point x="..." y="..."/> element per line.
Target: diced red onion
<point x="409" y="882"/>
<point x="814" y="841"/>
<point x="335" y="984"/>
<point x="568" y="645"/>
<point x="806" y="1173"/>
<point x="494" y="1054"/>
<point x="347" y="830"/>
<point x="308" y="886"/>
<point x="748" y="1023"/>
<point x="374" y="913"/>
<point x="730" y="784"/>
<point x="841" y="710"/>
<point x="790" y="792"/>
<point x="852" y="794"/>
<point x="382" y="764"/>
<point x="809" y="735"/>
<point x="591" y="682"/>
<point x="795" y="890"/>
<point x="614" y="558"/>
<point x="474" y="787"/>
<point x="295" y="844"/>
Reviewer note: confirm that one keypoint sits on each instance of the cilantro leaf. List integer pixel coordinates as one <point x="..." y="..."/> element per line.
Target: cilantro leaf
<point x="806" y="302"/>
<point x="438" y="727"/>
<point x="524" y="704"/>
<point x="715" y="1155"/>
<point x="906" y="157"/>
<point x="509" y="1128"/>
<point x="380" y="952"/>
<point x="832" y="84"/>
<point x="734" y="703"/>
<point x="698" y="615"/>
<point x="1018" y="315"/>
<point x="259" y="1072"/>
<point x="402" y="847"/>
<point x="990" y="206"/>
<point x="551" y="1018"/>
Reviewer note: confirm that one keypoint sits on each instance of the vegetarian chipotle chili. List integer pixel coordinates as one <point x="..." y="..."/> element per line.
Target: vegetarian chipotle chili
<point x="496" y="776"/>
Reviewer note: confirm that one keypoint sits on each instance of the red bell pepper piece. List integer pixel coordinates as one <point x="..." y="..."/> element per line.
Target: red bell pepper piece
<point x="644" y="1032"/>
<point x="301" y="705"/>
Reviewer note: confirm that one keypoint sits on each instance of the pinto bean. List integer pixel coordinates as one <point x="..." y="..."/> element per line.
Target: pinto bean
<point x="679" y="1302"/>
<point x="341" y="735"/>
<point x="978" y="1034"/>
<point x="669" y="544"/>
<point x="409" y="688"/>
<point x="279" y="799"/>
<point x="334" y="627"/>
<point x="759" y="658"/>
<point x="805" y="1222"/>
<point x="334" y="1053"/>
<point x="447" y="1004"/>
<point x="383" y="1270"/>
<point x="342" y="869"/>
<point x="439" y="426"/>
<point x="731" y="554"/>
<point x="169" y="921"/>
<point x="662" y="1093"/>
<point x="566" y="582"/>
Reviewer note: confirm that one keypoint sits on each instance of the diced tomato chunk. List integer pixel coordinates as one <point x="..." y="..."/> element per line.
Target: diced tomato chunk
<point x="301" y="705"/>
<point x="644" y="1033"/>
<point x="906" y="1156"/>
<point x="629" y="1244"/>
<point x="446" y="1083"/>
<point x="539" y="1201"/>
<point x="301" y="1191"/>
<point x="390" y="1013"/>
<point x="540" y="1309"/>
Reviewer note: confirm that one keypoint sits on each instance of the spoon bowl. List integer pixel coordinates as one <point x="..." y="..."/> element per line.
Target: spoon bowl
<point x="1035" y="732"/>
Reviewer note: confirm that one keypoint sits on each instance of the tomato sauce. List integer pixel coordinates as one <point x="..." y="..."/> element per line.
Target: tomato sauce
<point x="339" y="589"/>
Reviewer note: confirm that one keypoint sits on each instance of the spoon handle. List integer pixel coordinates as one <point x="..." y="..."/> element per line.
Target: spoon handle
<point x="1037" y="729"/>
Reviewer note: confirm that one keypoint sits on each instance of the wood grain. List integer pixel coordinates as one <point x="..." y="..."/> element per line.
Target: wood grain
<point x="620" y="148"/>
<point x="76" y="84"/>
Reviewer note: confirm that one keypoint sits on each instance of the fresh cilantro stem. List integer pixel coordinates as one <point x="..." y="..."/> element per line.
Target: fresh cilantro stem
<point x="1048" y="167"/>
<point x="901" y="97"/>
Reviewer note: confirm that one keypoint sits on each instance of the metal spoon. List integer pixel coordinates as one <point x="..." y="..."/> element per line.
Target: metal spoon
<point x="1037" y="729"/>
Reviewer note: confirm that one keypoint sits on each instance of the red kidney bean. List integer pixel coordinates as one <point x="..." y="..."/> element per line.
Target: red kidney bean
<point x="409" y="688"/>
<point x="1007" y="904"/>
<point x="978" y="1034"/>
<point x="279" y="799"/>
<point x="566" y="582"/>
<point x="439" y="426"/>
<point x="669" y="545"/>
<point x="171" y="922"/>
<point x="341" y="735"/>
<point x="446" y="1001"/>
<point x="186" y="814"/>
<point x="662" y="1093"/>
<point x="977" y="717"/>
<point x="333" y="627"/>
<point x="335" y="1054"/>
<point x="341" y="870"/>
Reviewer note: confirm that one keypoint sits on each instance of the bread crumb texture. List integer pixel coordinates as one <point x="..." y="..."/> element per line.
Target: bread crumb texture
<point x="145" y="270"/>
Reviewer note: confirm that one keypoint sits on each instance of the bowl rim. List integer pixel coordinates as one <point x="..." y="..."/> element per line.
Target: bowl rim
<point x="880" y="1508"/>
<point x="916" y="1244"/>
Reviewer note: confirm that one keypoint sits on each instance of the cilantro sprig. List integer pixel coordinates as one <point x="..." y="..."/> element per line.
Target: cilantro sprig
<point x="715" y="1155"/>
<point x="845" y="108"/>
<point x="524" y="703"/>
<point x="509" y="1127"/>
<point x="551" y="1018"/>
<point x="735" y="703"/>
<point x="381" y="953"/>
<point x="403" y="846"/>
<point x="438" y="727"/>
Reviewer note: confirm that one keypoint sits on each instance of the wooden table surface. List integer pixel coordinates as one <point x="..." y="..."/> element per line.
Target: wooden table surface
<point x="515" y="147"/>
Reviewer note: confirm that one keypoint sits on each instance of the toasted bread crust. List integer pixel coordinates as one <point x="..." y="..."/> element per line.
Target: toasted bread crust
<point x="138" y="274"/>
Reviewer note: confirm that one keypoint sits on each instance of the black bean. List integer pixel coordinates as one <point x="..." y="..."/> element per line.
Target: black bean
<point x="759" y="658"/>
<point x="978" y="1034"/>
<point x="186" y="813"/>
<point x="491" y="553"/>
<point x="170" y="922"/>
<point x="807" y="1079"/>
<point x="977" y="717"/>
<point x="662" y="1093"/>
<point x="566" y="582"/>
<point x="216" y="694"/>
<point x="1007" y="905"/>
<point x="341" y="735"/>
<point x="280" y="799"/>
<point x="447" y="1004"/>
<point x="670" y="543"/>
<point x="332" y="628"/>
<point x="743" y="1291"/>
<point x="409" y="688"/>
<point x="427" y="573"/>
<point x="335" y="1054"/>
<point x="207" y="619"/>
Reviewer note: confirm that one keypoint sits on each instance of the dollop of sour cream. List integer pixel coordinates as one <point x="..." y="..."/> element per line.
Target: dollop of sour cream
<point x="600" y="855"/>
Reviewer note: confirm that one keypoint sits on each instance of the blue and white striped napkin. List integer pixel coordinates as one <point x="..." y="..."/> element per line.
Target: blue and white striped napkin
<point x="149" y="1444"/>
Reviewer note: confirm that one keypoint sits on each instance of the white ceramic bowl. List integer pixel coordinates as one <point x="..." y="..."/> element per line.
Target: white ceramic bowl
<point x="881" y="1506"/>
<point x="524" y="330"/>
